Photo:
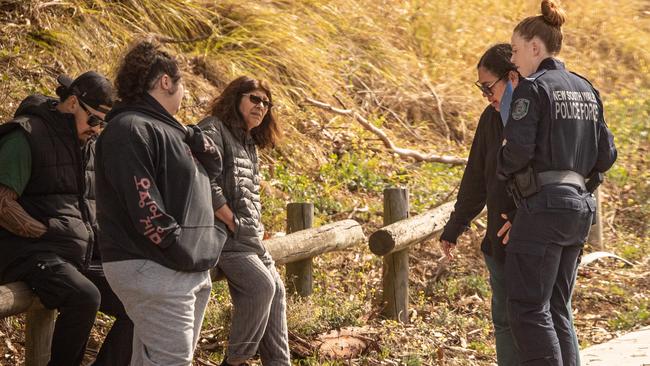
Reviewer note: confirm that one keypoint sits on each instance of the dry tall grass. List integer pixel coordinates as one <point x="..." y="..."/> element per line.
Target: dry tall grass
<point x="396" y="61"/>
<point x="374" y="55"/>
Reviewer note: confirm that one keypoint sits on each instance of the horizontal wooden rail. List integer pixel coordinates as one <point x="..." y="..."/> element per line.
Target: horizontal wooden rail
<point x="312" y="242"/>
<point x="15" y="298"/>
<point x="404" y="233"/>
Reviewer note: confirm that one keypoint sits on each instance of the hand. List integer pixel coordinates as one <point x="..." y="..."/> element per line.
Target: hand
<point x="224" y="213"/>
<point x="505" y="230"/>
<point x="447" y="248"/>
<point x="231" y="224"/>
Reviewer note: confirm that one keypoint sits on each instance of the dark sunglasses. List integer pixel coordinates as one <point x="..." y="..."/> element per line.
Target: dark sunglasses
<point x="487" y="89"/>
<point x="93" y="120"/>
<point x="257" y="100"/>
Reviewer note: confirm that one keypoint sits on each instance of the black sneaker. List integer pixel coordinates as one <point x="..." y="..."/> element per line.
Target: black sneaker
<point x="225" y="363"/>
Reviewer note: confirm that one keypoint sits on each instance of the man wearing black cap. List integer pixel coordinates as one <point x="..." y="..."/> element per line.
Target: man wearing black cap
<point x="47" y="215"/>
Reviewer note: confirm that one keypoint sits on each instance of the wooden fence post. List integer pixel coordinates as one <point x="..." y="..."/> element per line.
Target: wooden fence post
<point x="396" y="265"/>
<point x="300" y="216"/>
<point x="596" y="232"/>
<point x="39" y="326"/>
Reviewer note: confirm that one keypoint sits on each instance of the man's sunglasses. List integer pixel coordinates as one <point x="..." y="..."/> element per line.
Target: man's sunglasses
<point x="487" y="89"/>
<point x="257" y="100"/>
<point x="93" y="120"/>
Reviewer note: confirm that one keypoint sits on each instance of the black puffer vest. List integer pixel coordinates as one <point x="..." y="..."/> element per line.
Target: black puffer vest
<point x="240" y="184"/>
<point x="60" y="193"/>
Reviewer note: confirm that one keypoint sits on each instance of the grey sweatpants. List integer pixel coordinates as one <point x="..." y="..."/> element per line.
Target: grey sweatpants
<point x="259" y="319"/>
<point x="166" y="306"/>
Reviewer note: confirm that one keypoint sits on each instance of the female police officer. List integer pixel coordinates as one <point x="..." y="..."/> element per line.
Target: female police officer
<point x="555" y="137"/>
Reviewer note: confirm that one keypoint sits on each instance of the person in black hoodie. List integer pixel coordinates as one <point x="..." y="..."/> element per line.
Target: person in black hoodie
<point x="497" y="76"/>
<point x="47" y="215"/>
<point x="158" y="237"/>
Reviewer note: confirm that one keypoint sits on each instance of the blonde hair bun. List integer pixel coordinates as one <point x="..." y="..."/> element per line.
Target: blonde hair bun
<point x="552" y="13"/>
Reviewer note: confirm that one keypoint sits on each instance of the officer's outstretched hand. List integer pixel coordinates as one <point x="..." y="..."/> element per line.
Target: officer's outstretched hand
<point x="505" y="230"/>
<point x="447" y="248"/>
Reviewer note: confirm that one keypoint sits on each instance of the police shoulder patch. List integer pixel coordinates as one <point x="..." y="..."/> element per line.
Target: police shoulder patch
<point x="520" y="108"/>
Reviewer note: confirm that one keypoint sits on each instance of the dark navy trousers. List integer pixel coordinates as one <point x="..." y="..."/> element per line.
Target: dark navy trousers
<point x="542" y="258"/>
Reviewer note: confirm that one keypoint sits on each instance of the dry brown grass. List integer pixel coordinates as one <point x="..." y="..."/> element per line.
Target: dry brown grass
<point x="385" y="58"/>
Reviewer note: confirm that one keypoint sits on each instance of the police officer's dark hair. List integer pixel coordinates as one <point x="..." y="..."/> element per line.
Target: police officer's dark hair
<point x="143" y="64"/>
<point x="548" y="26"/>
<point x="496" y="60"/>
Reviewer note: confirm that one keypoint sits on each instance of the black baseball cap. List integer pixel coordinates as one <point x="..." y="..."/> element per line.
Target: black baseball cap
<point x="92" y="88"/>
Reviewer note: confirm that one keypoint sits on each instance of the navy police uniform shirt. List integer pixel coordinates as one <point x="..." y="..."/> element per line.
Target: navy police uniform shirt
<point x="556" y="122"/>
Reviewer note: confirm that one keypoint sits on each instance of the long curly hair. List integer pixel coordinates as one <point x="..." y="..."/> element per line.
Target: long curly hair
<point x="226" y="108"/>
<point x="142" y="65"/>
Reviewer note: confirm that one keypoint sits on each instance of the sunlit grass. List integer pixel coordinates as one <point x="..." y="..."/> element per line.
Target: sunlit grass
<point x="373" y="56"/>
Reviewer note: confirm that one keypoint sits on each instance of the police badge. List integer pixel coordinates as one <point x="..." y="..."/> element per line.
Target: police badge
<point x="520" y="108"/>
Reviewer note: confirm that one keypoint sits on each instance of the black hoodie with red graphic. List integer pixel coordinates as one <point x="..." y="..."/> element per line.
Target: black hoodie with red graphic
<point x="153" y="195"/>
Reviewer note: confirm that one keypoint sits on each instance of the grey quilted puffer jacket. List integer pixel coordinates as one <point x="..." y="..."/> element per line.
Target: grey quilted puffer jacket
<point x="238" y="185"/>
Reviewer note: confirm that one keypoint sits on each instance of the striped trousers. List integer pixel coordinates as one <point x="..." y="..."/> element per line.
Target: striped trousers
<point x="259" y="319"/>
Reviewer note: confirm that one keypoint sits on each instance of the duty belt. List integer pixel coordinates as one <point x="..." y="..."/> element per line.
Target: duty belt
<point x="561" y="177"/>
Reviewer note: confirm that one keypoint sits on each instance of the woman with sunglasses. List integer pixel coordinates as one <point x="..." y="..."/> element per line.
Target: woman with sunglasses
<point x="555" y="137"/>
<point x="241" y="121"/>
<point x="497" y="76"/>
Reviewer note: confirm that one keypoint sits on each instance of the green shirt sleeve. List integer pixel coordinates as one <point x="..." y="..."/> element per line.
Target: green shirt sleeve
<point x="15" y="161"/>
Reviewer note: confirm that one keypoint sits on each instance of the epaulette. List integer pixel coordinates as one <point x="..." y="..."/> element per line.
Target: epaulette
<point x="588" y="82"/>
<point x="582" y="77"/>
<point x="535" y="76"/>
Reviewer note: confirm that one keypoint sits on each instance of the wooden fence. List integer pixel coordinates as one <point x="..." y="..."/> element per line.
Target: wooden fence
<point x="295" y="250"/>
<point x="393" y="242"/>
<point x="400" y="232"/>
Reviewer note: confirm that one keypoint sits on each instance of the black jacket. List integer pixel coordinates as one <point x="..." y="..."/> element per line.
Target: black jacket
<point x="153" y="197"/>
<point x="59" y="191"/>
<point x="556" y="122"/>
<point x="238" y="185"/>
<point x="480" y="186"/>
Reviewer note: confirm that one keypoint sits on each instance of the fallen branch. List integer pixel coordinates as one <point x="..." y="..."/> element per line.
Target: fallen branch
<point x="598" y="255"/>
<point x="392" y="112"/>
<point x="417" y="155"/>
